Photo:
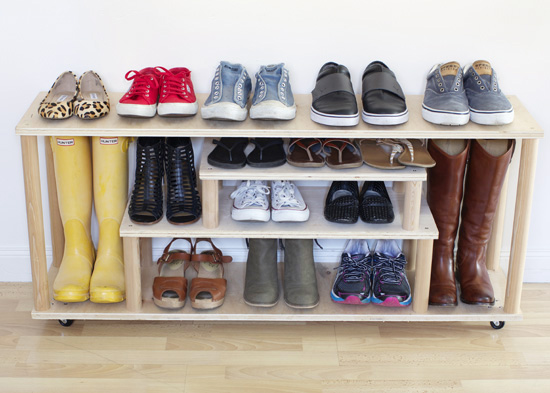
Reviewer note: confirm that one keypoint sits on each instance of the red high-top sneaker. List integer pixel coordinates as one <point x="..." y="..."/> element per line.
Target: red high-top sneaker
<point x="141" y="99"/>
<point x="176" y="96"/>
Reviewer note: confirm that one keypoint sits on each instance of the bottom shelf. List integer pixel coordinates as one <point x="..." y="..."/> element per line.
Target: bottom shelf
<point x="234" y="308"/>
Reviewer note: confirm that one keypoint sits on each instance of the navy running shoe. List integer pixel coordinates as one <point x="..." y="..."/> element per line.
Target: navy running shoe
<point x="352" y="284"/>
<point x="390" y="286"/>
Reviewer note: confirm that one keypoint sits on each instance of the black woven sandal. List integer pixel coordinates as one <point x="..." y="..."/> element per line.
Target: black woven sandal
<point x="228" y="153"/>
<point x="375" y="206"/>
<point x="342" y="203"/>
<point x="268" y="153"/>
<point x="183" y="202"/>
<point x="146" y="201"/>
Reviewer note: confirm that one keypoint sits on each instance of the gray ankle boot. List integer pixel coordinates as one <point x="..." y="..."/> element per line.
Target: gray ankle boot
<point x="261" y="285"/>
<point x="300" y="281"/>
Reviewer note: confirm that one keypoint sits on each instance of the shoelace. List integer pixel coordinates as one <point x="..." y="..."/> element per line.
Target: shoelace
<point x="390" y="268"/>
<point x="285" y="193"/>
<point x="173" y="83"/>
<point x="354" y="270"/>
<point x="142" y="83"/>
<point x="252" y="194"/>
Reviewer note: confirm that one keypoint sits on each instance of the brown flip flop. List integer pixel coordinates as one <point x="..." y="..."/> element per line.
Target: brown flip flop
<point x="305" y="152"/>
<point x="381" y="153"/>
<point x="342" y="153"/>
<point x="415" y="153"/>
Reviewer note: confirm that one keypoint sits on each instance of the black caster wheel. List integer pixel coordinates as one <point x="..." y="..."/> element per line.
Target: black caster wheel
<point x="69" y="322"/>
<point x="497" y="324"/>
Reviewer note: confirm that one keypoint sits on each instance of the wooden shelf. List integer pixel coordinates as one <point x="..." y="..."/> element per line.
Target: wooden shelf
<point x="524" y="126"/>
<point x="234" y="308"/>
<point x="315" y="228"/>
<point x="289" y="172"/>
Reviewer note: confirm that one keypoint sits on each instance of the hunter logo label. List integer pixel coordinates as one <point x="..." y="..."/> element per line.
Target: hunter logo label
<point x="65" y="142"/>
<point x="108" y="141"/>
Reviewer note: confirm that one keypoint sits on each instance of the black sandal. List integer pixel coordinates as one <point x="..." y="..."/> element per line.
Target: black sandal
<point x="146" y="201"/>
<point x="342" y="203"/>
<point x="228" y="153"/>
<point x="183" y="202"/>
<point x="376" y="206"/>
<point x="269" y="153"/>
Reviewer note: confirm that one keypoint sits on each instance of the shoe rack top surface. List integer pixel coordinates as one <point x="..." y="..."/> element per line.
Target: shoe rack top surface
<point x="523" y="126"/>
<point x="315" y="228"/>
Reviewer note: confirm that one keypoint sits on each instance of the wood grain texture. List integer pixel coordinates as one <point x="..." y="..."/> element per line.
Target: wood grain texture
<point x="523" y="126"/>
<point x="494" y="248"/>
<point x="35" y="222"/>
<point x="320" y="357"/>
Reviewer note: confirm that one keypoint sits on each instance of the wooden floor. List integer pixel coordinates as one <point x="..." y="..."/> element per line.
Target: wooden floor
<point x="98" y="356"/>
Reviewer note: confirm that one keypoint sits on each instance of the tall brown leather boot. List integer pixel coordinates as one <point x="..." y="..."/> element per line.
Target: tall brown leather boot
<point x="486" y="172"/>
<point x="445" y="186"/>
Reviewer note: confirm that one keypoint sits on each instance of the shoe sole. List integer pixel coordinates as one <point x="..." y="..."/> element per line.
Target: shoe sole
<point x="170" y="304"/>
<point x="71" y="296"/>
<point x="266" y="305"/>
<point x="224" y="111"/>
<point x="301" y="307"/>
<point x="492" y="118"/>
<point x="391" y="302"/>
<point x="385" y="119"/>
<point x="334" y="120"/>
<point x="206" y="304"/>
<point x="445" y="118"/>
<point x="290" y="215"/>
<point x="250" y="215"/>
<point x="134" y="110"/>
<point x="352" y="299"/>
<point x="178" y="109"/>
<point x="106" y="295"/>
<point x="272" y="110"/>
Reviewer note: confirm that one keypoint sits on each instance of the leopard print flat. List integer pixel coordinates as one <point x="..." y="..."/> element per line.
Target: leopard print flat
<point x="59" y="102"/>
<point x="92" y="99"/>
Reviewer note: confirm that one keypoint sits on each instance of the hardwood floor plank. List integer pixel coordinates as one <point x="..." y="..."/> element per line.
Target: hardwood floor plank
<point x="91" y="343"/>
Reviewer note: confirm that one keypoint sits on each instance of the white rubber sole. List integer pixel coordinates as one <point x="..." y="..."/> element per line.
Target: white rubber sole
<point x="178" y="109"/>
<point x="334" y="120"/>
<point x="250" y="215"/>
<point x="272" y="110"/>
<point x="224" y="111"/>
<point x="290" y="215"/>
<point x="445" y="118"/>
<point x="491" y="118"/>
<point x="136" y="110"/>
<point x="385" y="119"/>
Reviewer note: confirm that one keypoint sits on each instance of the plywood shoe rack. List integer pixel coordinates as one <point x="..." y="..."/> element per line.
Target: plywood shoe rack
<point x="414" y="222"/>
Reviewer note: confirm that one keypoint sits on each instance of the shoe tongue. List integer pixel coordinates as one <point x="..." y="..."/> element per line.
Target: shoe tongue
<point x="483" y="67"/>
<point x="357" y="257"/>
<point x="450" y="68"/>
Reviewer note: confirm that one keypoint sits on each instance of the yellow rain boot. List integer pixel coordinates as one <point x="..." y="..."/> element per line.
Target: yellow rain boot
<point x="110" y="160"/>
<point x="73" y="174"/>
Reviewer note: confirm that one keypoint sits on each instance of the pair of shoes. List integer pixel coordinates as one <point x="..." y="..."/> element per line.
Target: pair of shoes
<point x="344" y="204"/>
<point x="395" y="153"/>
<point x="334" y="102"/>
<point x="261" y="286"/>
<point x="86" y="97"/>
<point x="454" y="96"/>
<point x="378" y="276"/>
<point x="251" y="203"/>
<point x="156" y="156"/>
<point x="231" y="87"/>
<point x="337" y="153"/>
<point x="463" y="192"/>
<point x="229" y="153"/>
<point x="168" y="92"/>
<point x="207" y="289"/>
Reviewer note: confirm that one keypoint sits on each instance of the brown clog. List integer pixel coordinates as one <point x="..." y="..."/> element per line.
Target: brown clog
<point x="305" y="152"/>
<point x="208" y="288"/>
<point x="342" y="153"/>
<point x="170" y="286"/>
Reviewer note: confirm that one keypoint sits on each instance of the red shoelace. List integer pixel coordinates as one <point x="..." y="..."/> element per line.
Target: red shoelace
<point x="143" y="83"/>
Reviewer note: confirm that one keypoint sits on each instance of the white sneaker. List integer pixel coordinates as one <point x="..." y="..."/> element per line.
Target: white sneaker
<point x="250" y="201"/>
<point x="287" y="203"/>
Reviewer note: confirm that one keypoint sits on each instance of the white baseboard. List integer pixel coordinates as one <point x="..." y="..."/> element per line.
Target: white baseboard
<point x="15" y="261"/>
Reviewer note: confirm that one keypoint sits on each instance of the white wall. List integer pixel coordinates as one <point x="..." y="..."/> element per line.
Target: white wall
<point x="40" y="39"/>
